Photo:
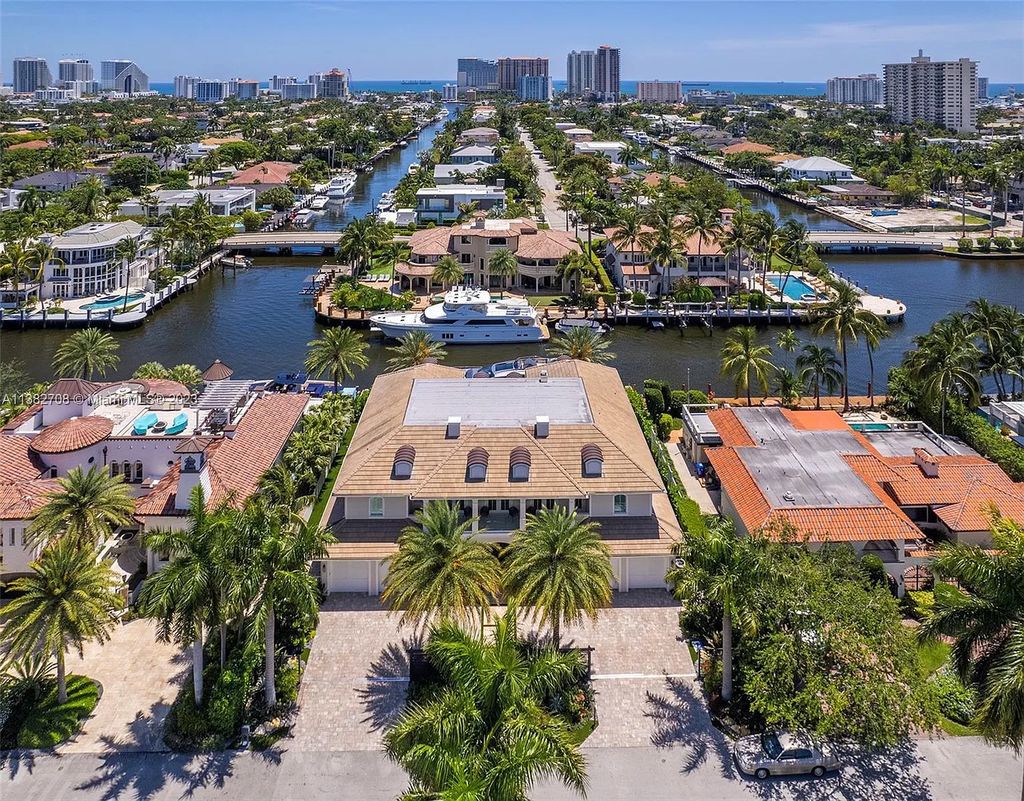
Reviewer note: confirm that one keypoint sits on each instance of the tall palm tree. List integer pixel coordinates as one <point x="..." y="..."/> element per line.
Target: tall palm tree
<point x="946" y="363"/>
<point x="16" y="263"/>
<point x="70" y="598"/>
<point x="448" y="272"/>
<point x="87" y="509"/>
<point x="664" y="242"/>
<point x="874" y="333"/>
<point x="727" y="570"/>
<point x="359" y="241"/>
<point x="739" y="236"/>
<point x="584" y="344"/>
<point x="845" y="318"/>
<point x="503" y="264"/>
<point x="982" y="610"/>
<point x="792" y="243"/>
<point x="788" y="386"/>
<point x="127" y="250"/>
<point x="487" y="735"/>
<point x="86" y="353"/>
<point x="559" y="566"/>
<point x="415" y="347"/>
<point x="787" y="340"/>
<point x="590" y="211"/>
<point x="818" y="367"/>
<point x="279" y="574"/>
<point x="631" y="229"/>
<point x="704" y="223"/>
<point x="767" y="239"/>
<point x="191" y="593"/>
<point x="441" y="571"/>
<point x="746" y="361"/>
<point x="340" y="352"/>
<point x="41" y="254"/>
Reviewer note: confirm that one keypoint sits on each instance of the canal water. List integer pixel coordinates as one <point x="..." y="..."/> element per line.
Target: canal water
<point x="258" y="323"/>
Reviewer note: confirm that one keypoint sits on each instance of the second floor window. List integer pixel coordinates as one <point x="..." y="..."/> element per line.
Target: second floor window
<point x="376" y="506"/>
<point x="619" y="506"/>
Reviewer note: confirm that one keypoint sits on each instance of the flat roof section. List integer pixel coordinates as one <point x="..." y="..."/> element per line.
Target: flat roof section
<point x="498" y="403"/>
<point x="903" y="443"/>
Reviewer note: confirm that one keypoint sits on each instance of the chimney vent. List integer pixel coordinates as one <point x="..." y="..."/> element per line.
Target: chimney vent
<point x="453" y="429"/>
<point x="542" y="427"/>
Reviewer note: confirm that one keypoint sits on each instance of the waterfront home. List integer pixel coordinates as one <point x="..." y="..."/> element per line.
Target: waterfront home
<point x="480" y="136"/>
<point x="610" y="150"/>
<point x="470" y="154"/>
<point x="446" y="203"/>
<point x="856" y="194"/>
<point x="883" y="490"/>
<point x="579" y="134"/>
<point x="483" y="113"/>
<point x="223" y="201"/>
<point x="538" y="253"/>
<point x="154" y="434"/>
<point x="630" y="265"/>
<point x="457" y="173"/>
<point x="265" y="175"/>
<point x="59" y="180"/>
<point x="562" y="434"/>
<point x="817" y="169"/>
<point x="652" y="180"/>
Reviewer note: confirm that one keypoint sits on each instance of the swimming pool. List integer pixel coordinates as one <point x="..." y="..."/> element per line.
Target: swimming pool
<point x="113" y="303"/>
<point x="796" y="288"/>
<point x="871" y="426"/>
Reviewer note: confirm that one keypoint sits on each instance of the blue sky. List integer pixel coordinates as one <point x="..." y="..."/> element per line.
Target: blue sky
<point x="770" y="40"/>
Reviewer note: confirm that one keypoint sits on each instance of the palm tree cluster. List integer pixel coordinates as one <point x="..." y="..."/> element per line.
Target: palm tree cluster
<point x="360" y="242"/>
<point x="960" y="350"/>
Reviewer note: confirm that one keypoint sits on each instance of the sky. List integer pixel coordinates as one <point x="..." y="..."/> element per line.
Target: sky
<point x="769" y="40"/>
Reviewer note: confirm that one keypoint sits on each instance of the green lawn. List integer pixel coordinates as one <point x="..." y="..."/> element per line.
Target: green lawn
<point x="49" y="723"/>
<point x="544" y="300"/>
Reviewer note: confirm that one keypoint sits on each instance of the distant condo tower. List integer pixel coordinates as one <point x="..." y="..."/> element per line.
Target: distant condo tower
<point x="510" y="70"/>
<point x="121" y="75"/>
<point x="75" y="69"/>
<point x="859" y="90"/>
<point x="606" y="74"/>
<point x="594" y="74"/>
<point x="31" y="73"/>
<point x="278" y="82"/>
<point x="450" y="92"/>
<point x="941" y="92"/>
<point x="579" y="73"/>
<point x="659" y="92"/>
<point x="477" y="73"/>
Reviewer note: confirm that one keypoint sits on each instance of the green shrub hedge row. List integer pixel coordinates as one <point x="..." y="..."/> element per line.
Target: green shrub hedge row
<point x="979" y="434"/>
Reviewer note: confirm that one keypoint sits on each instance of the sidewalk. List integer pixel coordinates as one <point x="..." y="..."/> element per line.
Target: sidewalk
<point x="691" y="483"/>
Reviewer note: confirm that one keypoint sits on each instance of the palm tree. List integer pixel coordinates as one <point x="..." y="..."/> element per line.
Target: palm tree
<point x="487" y="734"/>
<point x="874" y="333"/>
<point x="279" y="574"/>
<point x="359" y="241"/>
<point x="818" y="367"/>
<point x="559" y="566"/>
<point x="85" y="353"/>
<point x="846" y="319"/>
<point x="787" y="340"/>
<point x="946" y="362"/>
<point x="792" y="242"/>
<point x="127" y="250"/>
<point x="746" y="361"/>
<point x="788" y="386"/>
<point x="87" y="509"/>
<point x="631" y="229"/>
<point x="191" y="592"/>
<point x="69" y="599"/>
<point x="735" y="239"/>
<point x="663" y="241"/>
<point x="729" y="571"/>
<point x="31" y="200"/>
<point x="340" y="352"/>
<point x="16" y="262"/>
<point x="503" y="264"/>
<point x="590" y="210"/>
<point x="442" y="571"/>
<point x="767" y="238"/>
<point x="982" y="610"/>
<point x="448" y="272"/>
<point x="41" y="254"/>
<point x="415" y="347"/>
<point x="573" y="270"/>
<point x="89" y="197"/>
<point x="584" y="344"/>
<point x="703" y="222"/>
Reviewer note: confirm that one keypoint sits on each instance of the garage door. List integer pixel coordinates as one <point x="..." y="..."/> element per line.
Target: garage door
<point x="647" y="572"/>
<point x="348" y="575"/>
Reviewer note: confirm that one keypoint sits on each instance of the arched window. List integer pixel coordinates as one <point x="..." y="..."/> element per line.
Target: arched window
<point x="115" y="468"/>
<point x="126" y="468"/>
<point x="405" y="456"/>
<point x="138" y="471"/>
<point x="476" y="465"/>
<point x="593" y="461"/>
<point x="519" y="464"/>
<point x="619" y="505"/>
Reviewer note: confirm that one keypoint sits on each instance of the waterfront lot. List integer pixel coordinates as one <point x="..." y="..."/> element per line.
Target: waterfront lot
<point x="910" y="219"/>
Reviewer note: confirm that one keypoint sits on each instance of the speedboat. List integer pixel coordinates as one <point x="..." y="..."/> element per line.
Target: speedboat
<point x="319" y="203"/>
<point x="386" y="202"/>
<point x="467" y="316"/>
<point x="341" y="185"/>
<point x="565" y="325"/>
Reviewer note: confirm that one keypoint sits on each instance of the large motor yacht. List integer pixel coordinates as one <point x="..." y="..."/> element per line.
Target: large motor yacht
<point x="341" y="185"/>
<point x="467" y="316"/>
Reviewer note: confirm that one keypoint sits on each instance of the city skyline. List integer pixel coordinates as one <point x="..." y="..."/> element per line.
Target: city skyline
<point x="768" y="41"/>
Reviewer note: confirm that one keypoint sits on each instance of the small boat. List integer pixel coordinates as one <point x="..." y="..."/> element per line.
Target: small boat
<point x="236" y="261"/>
<point x="413" y="168"/>
<point x="565" y="325"/>
<point x="320" y="202"/>
<point x="303" y="219"/>
<point x="657" y="325"/>
<point x="386" y="202"/>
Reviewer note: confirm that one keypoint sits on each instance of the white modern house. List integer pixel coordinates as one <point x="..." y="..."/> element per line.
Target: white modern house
<point x="88" y="264"/>
<point x="442" y="203"/>
<point x="224" y="201"/>
<point x="468" y="154"/>
<point x="818" y="169"/>
<point x="610" y="150"/>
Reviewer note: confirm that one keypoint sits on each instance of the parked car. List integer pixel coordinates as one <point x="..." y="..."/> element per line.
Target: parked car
<point x="783" y="753"/>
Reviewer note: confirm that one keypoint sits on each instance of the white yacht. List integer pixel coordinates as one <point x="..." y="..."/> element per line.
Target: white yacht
<point x="319" y="203"/>
<point x="341" y="185"/>
<point x="467" y="316"/>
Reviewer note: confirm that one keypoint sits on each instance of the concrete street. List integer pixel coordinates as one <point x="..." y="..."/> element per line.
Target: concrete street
<point x="546" y="181"/>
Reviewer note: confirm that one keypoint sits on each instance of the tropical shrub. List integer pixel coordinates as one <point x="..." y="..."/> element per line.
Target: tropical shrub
<point x="956" y="701"/>
<point x="655" y="401"/>
<point x="919" y="604"/>
<point x="1018" y="242"/>
<point x="984" y="244"/>
<point x="665" y="426"/>
<point x="965" y="244"/>
<point x="1003" y="243"/>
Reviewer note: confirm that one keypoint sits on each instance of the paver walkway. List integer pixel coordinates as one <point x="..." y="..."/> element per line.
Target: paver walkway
<point x="140" y="678"/>
<point x="691" y="484"/>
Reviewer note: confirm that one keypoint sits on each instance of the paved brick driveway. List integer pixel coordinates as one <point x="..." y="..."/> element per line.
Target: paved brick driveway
<point x="140" y="679"/>
<point x="355" y="681"/>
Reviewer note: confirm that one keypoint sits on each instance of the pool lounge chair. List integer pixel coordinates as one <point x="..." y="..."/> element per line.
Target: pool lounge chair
<point x="144" y="423"/>
<point x="178" y="424"/>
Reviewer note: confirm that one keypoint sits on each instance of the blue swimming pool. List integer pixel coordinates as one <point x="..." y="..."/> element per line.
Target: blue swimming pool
<point x="113" y="303"/>
<point x="871" y="426"/>
<point x="796" y="288"/>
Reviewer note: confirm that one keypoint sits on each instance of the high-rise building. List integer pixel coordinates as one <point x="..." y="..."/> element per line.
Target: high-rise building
<point x="477" y="73"/>
<point x="75" y="69"/>
<point x="606" y="74"/>
<point x="510" y="70"/>
<point x="333" y="83"/>
<point x="534" y="88"/>
<point x="211" y="91"/>
<point x="854" y="90"/>
<point x="940" y="92"/>
<point x="579" y="73"/>
<point x="121" y="75"/>
<point x="450" y="92"/>
<point x="244" y="89"/>
<point x="31" y="73"/>
<point x="185" y="85"/>
<point x="298" y="91"/>
<point x="659" y="91"/>
<point x="982" y="88"/>
<point x="277" y="82"/>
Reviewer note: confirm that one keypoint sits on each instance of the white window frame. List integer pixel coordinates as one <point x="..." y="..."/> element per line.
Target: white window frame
<point x="376" y="500"/>
<point x="615" y="504"/>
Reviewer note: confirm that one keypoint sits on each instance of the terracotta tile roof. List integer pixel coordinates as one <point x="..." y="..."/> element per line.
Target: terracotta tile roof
<point x="971" y="514"/>
<point x="778" y="158"/>
<point x="73" y="388"/>
<point x="17" y="461"/>
<point x="20" y="501"/>
<point x="266" y="172"/>
<point x="415" y="270"/>
<point x="956" y="477"/>
<point x="430" y="241"/>
<point x="235" y="465"/>
<point x="217" y="371"/>
<point x="730" y="428"/>
<point x="747" y="147"/>
<point x="547" y="244"/>
<point x="72" y="434"/>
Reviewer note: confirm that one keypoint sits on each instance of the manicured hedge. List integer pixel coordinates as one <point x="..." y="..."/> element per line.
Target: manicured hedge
<point x="603" y="281"/>
<point x="980" y="435"/>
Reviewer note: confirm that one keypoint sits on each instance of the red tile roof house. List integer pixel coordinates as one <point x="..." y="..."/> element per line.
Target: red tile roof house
<point x="881" y="492"/>
<point x="266" y="174"/>
<point x="83" y="424"/>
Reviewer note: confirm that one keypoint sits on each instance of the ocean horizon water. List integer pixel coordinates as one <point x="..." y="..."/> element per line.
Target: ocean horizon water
<point x="764" y="88"/>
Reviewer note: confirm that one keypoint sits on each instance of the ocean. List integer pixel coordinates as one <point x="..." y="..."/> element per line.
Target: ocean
<point x="768" y="88"/>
